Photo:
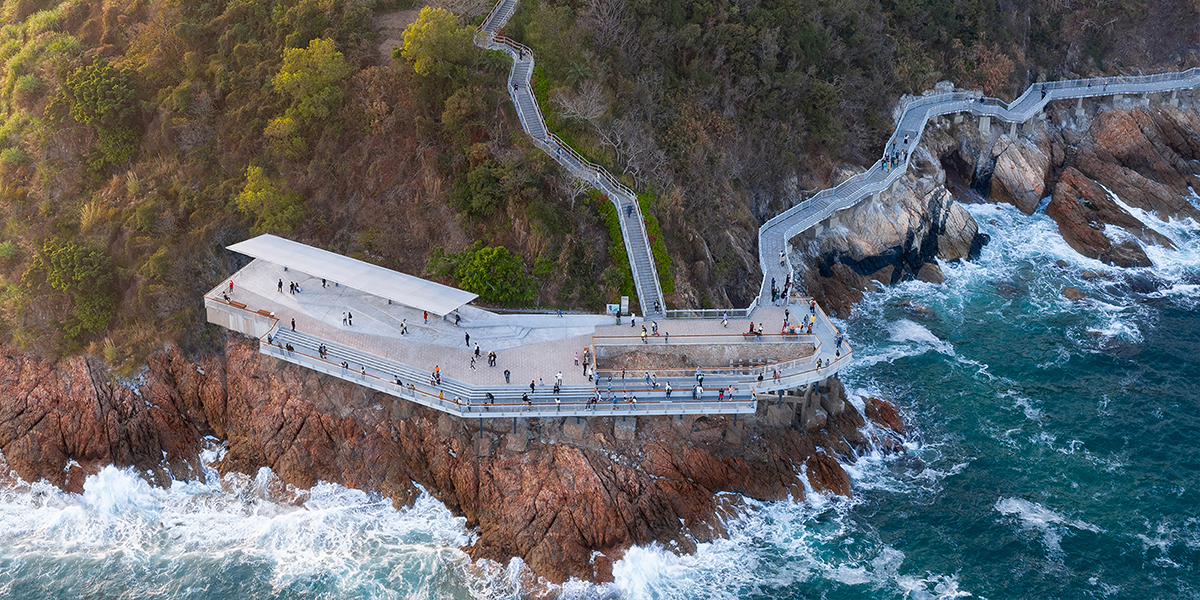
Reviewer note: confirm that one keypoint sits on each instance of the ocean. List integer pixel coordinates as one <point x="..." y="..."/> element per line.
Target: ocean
<point x="1051" y="454"/>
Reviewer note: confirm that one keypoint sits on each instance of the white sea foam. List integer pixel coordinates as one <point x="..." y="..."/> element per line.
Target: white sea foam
<point x="344" y="540"/>
<point x="1035" y="517"/>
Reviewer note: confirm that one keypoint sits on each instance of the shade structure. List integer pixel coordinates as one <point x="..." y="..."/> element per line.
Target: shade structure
<point x="398" y="287"/>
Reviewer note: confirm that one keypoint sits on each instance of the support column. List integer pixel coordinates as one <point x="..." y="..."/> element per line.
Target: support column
<point x="1116" y="99"/>
<point x="875" y="197"/>
<point x="985" y="125"/>
<point x="1175" y="98"/>
<point x="1146" y="99"/>
<point x="1079" y="107"/>
<point x="958" y="118"/>
<point x="1012" y="130"/>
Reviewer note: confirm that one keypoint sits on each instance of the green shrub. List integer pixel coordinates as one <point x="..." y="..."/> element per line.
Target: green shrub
<point x="8" y="250"/>
<point x="85" y="275"/>
<point x="273" y="207"/>
<point x="12" y="157"/>
<point x="662" y="260"/>
<point x="494" y="273"/>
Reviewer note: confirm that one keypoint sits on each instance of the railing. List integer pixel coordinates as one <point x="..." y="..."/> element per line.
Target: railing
<point x="583" y="168"/>
<point x="867" y="183"/>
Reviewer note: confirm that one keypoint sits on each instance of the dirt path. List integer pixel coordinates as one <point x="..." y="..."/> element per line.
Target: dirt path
<point x="391" y="30"/>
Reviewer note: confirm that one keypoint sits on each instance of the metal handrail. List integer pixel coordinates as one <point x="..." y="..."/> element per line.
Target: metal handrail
<point x="858" y="187"/>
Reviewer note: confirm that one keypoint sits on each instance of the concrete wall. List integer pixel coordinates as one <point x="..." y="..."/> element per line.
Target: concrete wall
<point x="237" y="319"/>
<point x="713" y="356"/>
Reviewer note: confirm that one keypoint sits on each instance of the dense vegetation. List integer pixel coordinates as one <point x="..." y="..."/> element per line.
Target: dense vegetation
<point x="727" y="106"/>
<point x="138" y="139"/>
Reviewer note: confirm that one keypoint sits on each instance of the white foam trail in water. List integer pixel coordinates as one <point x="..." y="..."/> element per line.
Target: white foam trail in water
<point x="1035" y="517"/>
<point x="773" y="547"/>
<point x="343" y="541"/>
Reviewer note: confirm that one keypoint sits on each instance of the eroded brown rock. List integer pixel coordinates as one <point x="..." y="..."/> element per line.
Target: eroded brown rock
<point x="568" y="497"/>
<point x="1084" y="212"/>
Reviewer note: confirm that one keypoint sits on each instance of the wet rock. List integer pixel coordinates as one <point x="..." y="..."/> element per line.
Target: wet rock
<point x="1008" y="289"/>
<point x="1062" y="264"/>
<point x="883" y="413"/>
<point x="1073" y="293"/>
<point x="567" y="497"/>
<point x="918" y="309"/>
<point x="1096" y="226"/>
<point x="1019" y="175"/>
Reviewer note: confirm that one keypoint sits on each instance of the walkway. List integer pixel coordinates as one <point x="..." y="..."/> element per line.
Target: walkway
<point x="633" y="227"/>
<point x="775" y="234"/>
<point x="391" y="348"/>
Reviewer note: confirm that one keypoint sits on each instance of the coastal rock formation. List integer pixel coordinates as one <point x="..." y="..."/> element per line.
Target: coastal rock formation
<point x="1145" y="155"/>
<point x="1096" y="226"/>
<point x="900" y="235"/>
<point x="568" y="496"/>
<point x="1019" y="175"/>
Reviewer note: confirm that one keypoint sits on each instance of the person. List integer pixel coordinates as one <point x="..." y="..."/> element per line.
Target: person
<point x="556" y="388"/>
<point x="425" y="314"/>
<point x="230" y="286"/>
<point x="490" y="398"/>
<point x="577" y="358"/>
<point x="457" y="318"/>
<point x="666" y="337"/>
<point x="787" y="313"/>
<point x="812" y="306"/>
<point x="293" y="324"/>
<point x="720" y="395"/>
<point x="531" y="387"/>
<point x="468" y="337"/>
<point x="632" y="322"/>
<point x="644" y="334"/>
<point x="654" y="327"/>
<point x="560" y="313"/>
<point x="557" y="403"/>
<point x="280" y="286"/>
<point x="290" y="348"/>
<point x="472" y="363"/>
<point x="476" y="349"/>
<point x="838" y="341"/>
<point x="558" y="379"/>
<point x="633" y="398"/>
<point x="725" y="319"/>
<point x="350" y="318"/>
<point x="343" y="318"/>
<point x="782" y="257"/>
<point x="752" y="327"/>
<point x="323" y="283"/>
<point x="403" y="326"/>
<point x="526" y="400"/>
<point x="647" y="378"/>
<point x="506" y="375"/>
<point x="396" y="379"/>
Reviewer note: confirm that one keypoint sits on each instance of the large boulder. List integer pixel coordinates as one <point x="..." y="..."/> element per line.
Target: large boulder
<point x="1019" y="175"/>
<point x="1096" y="226"/>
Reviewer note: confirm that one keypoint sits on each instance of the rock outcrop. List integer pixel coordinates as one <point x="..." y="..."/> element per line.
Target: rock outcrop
<point x="1096" y="226"/>
<point x="568" y="496"/>
<point x="1019" y="174"/>
<point x="899" y="236"/>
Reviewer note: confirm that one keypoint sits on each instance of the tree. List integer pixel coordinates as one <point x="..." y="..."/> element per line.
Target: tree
<point x="104" y="98"/>
<point x="310" y="77"/>
<point x="492" y="272"/>
<point x="436" y="45"/>
<point x="272" y="207"/>
<point x="84" y="275"/>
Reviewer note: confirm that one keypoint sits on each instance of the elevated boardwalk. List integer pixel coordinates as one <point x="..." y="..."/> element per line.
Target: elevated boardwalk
<point x="633" y="226"/>
<point x="390" y="348"/>
<point x="775" y="234"/>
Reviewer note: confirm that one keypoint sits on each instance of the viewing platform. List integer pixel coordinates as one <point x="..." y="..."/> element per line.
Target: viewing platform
<point x="608" y="369"/>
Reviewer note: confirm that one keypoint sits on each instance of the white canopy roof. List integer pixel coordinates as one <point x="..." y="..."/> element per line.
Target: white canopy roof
<point x="398" y="287"/>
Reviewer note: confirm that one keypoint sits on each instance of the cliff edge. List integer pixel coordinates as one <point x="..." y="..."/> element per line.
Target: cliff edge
<point x="568" y="496"/>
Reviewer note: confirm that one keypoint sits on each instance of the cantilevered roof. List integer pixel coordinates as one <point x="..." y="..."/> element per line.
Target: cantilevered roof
<point x="398" y="287"/>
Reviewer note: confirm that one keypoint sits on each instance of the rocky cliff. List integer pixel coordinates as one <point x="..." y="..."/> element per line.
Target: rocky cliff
<point x="1094" y="168"/>
<point x="567" y="496"/>
<point x="899" y="235"/>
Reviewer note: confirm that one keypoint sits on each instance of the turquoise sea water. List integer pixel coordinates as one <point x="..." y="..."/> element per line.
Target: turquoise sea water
<point x="1052" y="455"/>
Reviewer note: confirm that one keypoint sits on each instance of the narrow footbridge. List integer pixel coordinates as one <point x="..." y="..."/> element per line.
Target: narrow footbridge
<point x="633" y="226"/>
<point x="775" y="234"/>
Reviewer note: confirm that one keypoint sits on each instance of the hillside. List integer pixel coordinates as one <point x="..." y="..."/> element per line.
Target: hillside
<point x="136" y="141"/>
